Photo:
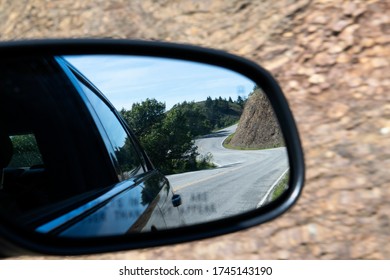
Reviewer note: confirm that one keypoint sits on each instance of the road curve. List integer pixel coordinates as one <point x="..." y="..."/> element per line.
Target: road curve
<point x="240" y="182"/>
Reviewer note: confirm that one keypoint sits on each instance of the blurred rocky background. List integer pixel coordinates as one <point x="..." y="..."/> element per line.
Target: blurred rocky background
<point x="332" y="59"/>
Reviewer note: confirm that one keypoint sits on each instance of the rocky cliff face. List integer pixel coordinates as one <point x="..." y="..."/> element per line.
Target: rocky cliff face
<point x="332" y="59"/>
<point x="258" y="127"/>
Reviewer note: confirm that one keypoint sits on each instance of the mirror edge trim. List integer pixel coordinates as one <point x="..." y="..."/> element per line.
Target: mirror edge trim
<point x="30" y="242"/>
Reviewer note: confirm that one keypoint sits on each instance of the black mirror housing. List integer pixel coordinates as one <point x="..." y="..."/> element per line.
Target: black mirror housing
<point x="15" y="240"/>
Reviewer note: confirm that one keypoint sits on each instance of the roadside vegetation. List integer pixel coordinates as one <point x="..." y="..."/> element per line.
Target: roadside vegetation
<point x="167" y="136"/>
<point x="281" y="186"/>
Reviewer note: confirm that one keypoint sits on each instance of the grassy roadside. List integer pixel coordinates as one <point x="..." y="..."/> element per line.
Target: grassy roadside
<point x="201" y="162"/>
<point x="205" y="162"/>
<point x="281" y="186"/>
<point x="226" y="144"/>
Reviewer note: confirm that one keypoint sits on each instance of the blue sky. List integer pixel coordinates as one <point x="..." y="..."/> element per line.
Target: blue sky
<point x="128" y="79"/>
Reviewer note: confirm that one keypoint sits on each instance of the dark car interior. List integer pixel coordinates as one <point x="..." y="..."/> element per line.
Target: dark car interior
<point x="38" y="167"/>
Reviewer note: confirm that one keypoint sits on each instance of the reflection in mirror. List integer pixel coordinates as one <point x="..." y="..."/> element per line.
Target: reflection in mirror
<point x="203" y="145"/>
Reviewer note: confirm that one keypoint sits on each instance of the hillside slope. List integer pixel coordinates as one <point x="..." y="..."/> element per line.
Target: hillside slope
<point x="258" y="127"/>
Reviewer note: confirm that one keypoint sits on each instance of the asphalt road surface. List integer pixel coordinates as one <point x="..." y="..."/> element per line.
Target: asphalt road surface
<point x="243" y="180"/>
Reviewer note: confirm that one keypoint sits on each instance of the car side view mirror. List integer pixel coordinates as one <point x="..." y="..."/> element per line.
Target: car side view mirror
<point x="110" y="145"/>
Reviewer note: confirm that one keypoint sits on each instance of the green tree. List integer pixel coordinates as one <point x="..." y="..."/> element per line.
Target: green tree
<point x="167" y="137"/>
<point x="194" y="116"/>
<point x="169" y="144"/>
<point x="143" y="116"/>
<point x="209" y="102"/>
<point x="240" y="101"/>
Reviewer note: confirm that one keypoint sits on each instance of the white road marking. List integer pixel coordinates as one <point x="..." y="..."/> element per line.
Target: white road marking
<point x="261" y="203"/>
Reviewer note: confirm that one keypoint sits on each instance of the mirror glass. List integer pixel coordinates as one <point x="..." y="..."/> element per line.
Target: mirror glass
<point x="98" y="145"/>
